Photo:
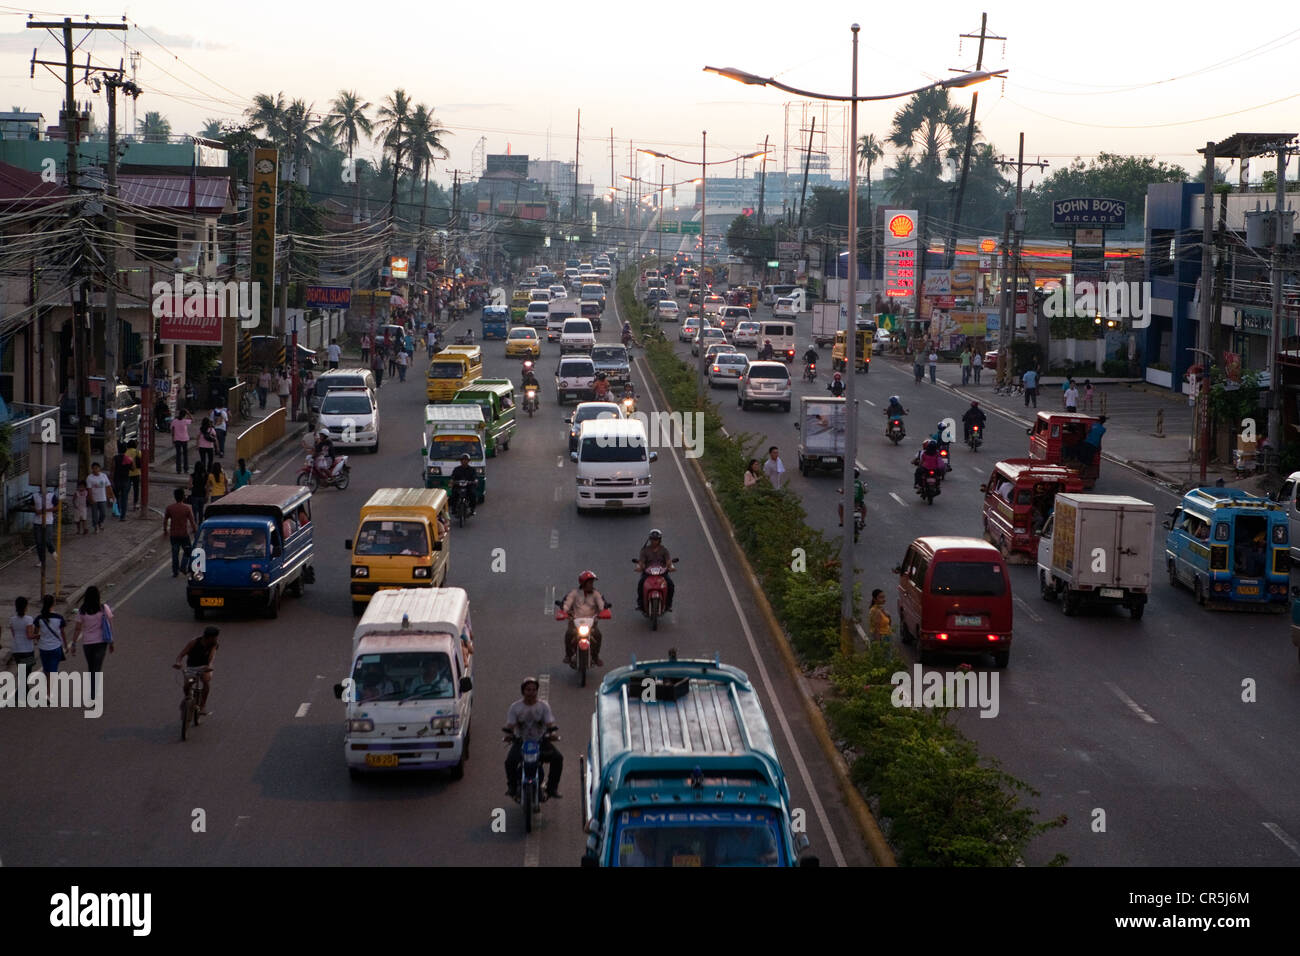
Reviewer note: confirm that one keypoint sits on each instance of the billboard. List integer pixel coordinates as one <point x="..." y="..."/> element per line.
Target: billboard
<point x="189" y="326"/>
<point x="328" y="297"/>
<point x="263" y="183"/>
<point x="900" y="253"/>
<point x="1088" y="212"/>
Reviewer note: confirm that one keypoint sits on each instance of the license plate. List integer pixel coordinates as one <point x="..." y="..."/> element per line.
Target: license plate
<point x="212" y="602"/>
<point x="829" y="459"/>
<point x="381" y="760"/>
<point x="613" y="504"/>
<point x="1248" y="589"/>
<point x="968" y="620"/>
<point x="1112" y="592"/>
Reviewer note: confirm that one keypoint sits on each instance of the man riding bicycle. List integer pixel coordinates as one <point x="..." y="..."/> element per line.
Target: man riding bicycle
<point x="199" y="653"/>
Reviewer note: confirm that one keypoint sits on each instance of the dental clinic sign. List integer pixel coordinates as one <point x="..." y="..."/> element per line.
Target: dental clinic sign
<point x="1107" y="213"/>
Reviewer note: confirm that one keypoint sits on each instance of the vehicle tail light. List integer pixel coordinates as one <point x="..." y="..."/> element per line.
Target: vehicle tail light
<point x="941" y="636"/>
<point x="994" y="637"/>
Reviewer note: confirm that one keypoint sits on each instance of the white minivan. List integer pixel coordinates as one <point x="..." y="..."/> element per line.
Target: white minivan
<point x="411" y="688"/>
<point x="781" y="334"/>
<point x="613" y="465"/>
<point x="351" y="416"/>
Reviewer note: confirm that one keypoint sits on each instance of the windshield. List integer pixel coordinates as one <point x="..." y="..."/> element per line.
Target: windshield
<point x="730" y="358"/>
<point x="577" y="370"/>
<point x="581" y="327"/>
<point x="403" y="675"/>
<point x="587" y="413"/>
<point x="698" y="837"/>
<point x="768" y="371"/>
<point x="336" y="404"/>
<point x="445" y="370"/>
<point x="232" y="544"/>
<point x="393" y="537"/>
<point x="451" y="447"/>
<point x="968" y="578"/>
<point x="608" y="353"/>
<point x="327" y="383"/>
<point x="613" y="448"/>
<point x="523" y="334"/>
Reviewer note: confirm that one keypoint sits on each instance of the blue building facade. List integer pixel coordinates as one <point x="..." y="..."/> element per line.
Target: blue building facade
<point x="1173" y="267"/>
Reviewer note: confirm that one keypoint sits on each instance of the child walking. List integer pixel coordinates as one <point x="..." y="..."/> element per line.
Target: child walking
<point x="81" y="506"/>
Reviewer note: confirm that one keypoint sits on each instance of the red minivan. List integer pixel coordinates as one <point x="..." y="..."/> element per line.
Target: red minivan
<point x="954" y="596"/>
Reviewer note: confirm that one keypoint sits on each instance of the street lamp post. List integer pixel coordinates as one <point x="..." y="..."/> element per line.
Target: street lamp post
<point x="850" y="333"/>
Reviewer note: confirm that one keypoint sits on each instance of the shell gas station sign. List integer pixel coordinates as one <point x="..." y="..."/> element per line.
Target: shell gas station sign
<point x="900" y="253"/>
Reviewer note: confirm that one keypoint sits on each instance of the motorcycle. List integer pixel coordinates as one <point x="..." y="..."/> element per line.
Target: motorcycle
<point x="929" y="486"/>
<point x="529" y="788"/>
<point x="462" y="490"/>
<point x="582" y="645"/>
<point x="530" y="399"/>
<point x="314" y="476"/>
<point x="859" y="522"/>
<point x="975" y="438"/>
<point x="527" y="367"/>
<point x="629" y="405"/>
<point x="810" y="372"/>
<point x="654" y="593"/>
<point x="895" y="431"/>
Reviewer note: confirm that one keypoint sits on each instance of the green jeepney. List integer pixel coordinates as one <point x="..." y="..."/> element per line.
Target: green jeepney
<point x="449" y="432"/>
<point x="496" y="396"/>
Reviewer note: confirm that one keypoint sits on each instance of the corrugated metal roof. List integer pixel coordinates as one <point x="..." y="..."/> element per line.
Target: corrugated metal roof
<point x="210" y="193"/>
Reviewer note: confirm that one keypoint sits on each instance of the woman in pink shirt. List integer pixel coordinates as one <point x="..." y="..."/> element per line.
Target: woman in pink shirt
<point x="181" y="439"/>
<point x="90" y="630"/>
<point x="207" y="443"/>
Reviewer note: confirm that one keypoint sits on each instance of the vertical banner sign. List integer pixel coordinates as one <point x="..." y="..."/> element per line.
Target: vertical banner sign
<point x="265" y="177"/>
<point x="900" y="254"/>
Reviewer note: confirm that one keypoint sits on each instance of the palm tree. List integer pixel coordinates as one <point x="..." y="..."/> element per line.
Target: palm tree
<point x="267" y="114"/>
<point x="927" y="129"/>
<point x="301" y="131"/>
<point x="394" y="117"/>
<point x="424" y="144"/>
<point x="349" y="120"/>
<point x="155" y="128"/>
<point x="211" y="129"/>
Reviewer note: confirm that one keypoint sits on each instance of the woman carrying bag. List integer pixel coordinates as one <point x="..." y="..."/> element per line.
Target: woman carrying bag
<point x="51" y="642"/>
<point x="94" y="630"/>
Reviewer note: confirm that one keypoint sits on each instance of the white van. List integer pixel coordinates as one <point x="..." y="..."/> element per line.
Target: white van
<point x="791" y="305"/>
<point x="577" y="336"/>
<point x="773" y="292"/>
<point x="613" y="465"/>
<point x="411" y="687"/>
<point x="781" y="334"/>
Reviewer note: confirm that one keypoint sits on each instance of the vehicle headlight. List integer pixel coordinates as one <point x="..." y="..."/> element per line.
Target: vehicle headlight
<point x="435" y="470"/>
<point x="196" y="575"/>
<point x="643" y="481"/>
<point x="256" y="577"/>
<point x="584" y="630"/>
<point x="361" y="725"/>
<point x="479" y="470"/>
<point x="585" y="482"/>
<point x="360" y="571"/>
<point x="444" y="725"/>
<point x="421" y="572"/>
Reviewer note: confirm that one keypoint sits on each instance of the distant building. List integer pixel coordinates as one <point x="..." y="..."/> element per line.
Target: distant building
<point x="507" y="163"/>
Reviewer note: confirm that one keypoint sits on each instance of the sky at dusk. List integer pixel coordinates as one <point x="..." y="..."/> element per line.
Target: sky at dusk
<point x="1129" y="77"/>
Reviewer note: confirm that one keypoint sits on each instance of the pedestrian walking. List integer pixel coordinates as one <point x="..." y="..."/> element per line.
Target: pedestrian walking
<point x="377" y="366"/>
<point x="122" y="465"/>
<point x="403" y="360"/>
<point x="198" y="491"/>
<point x="774" y="468"/>
<point x="1087" y="394"/>
<point x="334" y="353"/>
<point x="965" y="365"/>
<point x="977" y="366"/>
<point x="81" y="506"/>
<point x="934" y="362"/>
<point x="217" y="485"/>
<point x="390" y="350"/>
<point x="880" y="627"/>
<point x="263" y="387"/>
<point x="23" y="627"/>
<point x="365" y="347"/>
<point x="1030" y="381"/>
<point x="178" y="526"/>
<point x="1071" y="397"/>
<point x="134" y="451"/>
<point x="51" y="641"/>
<point x="918" y="366"/>
<point x="220" y="423"/>
<point x="207" y="443"/>
<point x="242" y="475"/>
<point x="94" y="629"/>
<point x="101" y="492"/>
<point x="181" y="440"/>
<point x="283" y="383"/>
<point x="46" y="506"/>
<point x="1065" y="387"/>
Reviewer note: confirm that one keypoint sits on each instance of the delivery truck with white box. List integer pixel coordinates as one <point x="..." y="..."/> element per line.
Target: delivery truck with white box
<point x="1096" y="549"/>
<point x="822" y="431"/>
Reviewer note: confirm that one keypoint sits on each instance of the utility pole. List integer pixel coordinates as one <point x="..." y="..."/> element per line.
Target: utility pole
<point x="803" y="192"/>
<point x="1279" y="311"/>
<point x="951" y="252"/>
<point x="111" y="336"/>
<point x="762" y="183"/>
<point x="577" y="147"/>
<point x="1017" y="235"/>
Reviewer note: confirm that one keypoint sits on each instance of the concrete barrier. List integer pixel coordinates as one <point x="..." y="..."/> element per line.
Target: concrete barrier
<point x="261" y="434"/>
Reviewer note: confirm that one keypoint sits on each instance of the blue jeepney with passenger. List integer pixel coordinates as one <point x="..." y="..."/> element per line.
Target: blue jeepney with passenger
<point x="681" y="770"/>
<point x="496" y="321"/>
<point x="1231" y="548"/>
<point x="253" y="545"/>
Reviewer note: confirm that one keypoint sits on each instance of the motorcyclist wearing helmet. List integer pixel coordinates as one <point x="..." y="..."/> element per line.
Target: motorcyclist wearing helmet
<point x="836" y="387"/>
<point x="601" y="387"/>
<point x="323" y="452"/>
<point x="654" y="553"/>
<point x="929" y="460"/>
<point x="531" y="719"/>
<point x="529" y="377"/>
<point x="464" y="472"/>
<point x="767" y="353"/>
<point x="811" y="356"/>
<point x="895" y="409"/>
<point x="583" y="601"/>
<point x="974" y="416"/>
<point x="859" y="497"/>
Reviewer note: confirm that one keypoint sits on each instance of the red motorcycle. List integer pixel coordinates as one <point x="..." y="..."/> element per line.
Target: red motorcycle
<point x="337" y="476"/>
<point x="654" y="593"/>
<point x="582" y="644"/>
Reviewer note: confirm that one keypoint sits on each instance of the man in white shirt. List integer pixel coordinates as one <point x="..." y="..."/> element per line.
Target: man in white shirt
<point x="101" y="492"/>
<point x="403" y="360"/>
<point x="220" y="422"/>
<point x="335" y="353"/>
<point x="531" y="719"/>
<point x="774" y="468"/>
<point x="1072" y="398"/>
<point x="46" y="506"/>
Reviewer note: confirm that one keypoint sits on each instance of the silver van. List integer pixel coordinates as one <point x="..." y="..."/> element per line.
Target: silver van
<point x="340" y="378"/>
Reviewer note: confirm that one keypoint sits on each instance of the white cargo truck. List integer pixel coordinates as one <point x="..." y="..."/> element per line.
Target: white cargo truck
<point x="1096" y="549"/>
<point x="826" y="321"/>
<point x="822" y="431"/>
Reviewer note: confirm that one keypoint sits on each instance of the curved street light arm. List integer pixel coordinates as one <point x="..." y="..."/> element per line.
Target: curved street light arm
<point x="751" y="79"/>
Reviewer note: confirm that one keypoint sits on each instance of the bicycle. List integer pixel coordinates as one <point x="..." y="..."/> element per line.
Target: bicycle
<point x="1009" y="388"/>
<point x="193" y="690"/>
<point x="245" y="404"/>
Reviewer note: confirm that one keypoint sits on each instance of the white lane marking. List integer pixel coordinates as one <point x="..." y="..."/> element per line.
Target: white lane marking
<point x="898" y="499"/>
<point x="532" y="844"/>
<point x="977" y="468"/>
<point x="1028" y="610"/>
<point x="1130" y="703"/>
<point x="557" y="492"/>
<point x="559" y="461"/>
<point x="764" y="680"/>
<point x="555" y="539"/>
<point x="302" y="710"/>
<point x="1285" y="837"/>
<point x="548" y="602"/>
<point x="131" y="593"/>
<point x="869" y="402"/>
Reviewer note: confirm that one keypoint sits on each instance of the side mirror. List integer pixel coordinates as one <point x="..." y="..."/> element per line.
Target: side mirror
<point x="984" y="489"/>
<point x="573" y="456"/>
<point x="338" y="691"/>
<point x="1029" y="431"/>
<point x="796" y="426"/>
<point x="654" y="456"/>
<point x="347" y="544"/>
<point x="466" y="684"/>
<point x="605" y="615"/>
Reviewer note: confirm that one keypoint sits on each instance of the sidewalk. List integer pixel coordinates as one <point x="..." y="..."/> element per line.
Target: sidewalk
<point x="93" y="559"/>
<point x="1131" y="410"/>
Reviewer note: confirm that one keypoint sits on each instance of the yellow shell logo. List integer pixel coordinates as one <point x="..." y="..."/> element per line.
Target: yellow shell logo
<point x="901" y="226"/>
